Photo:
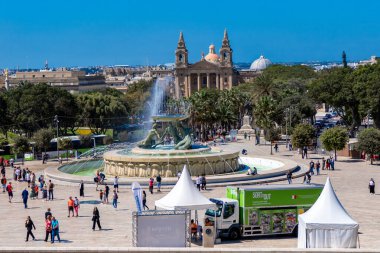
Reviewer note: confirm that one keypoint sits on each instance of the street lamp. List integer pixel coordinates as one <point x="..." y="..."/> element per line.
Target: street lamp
<point x="94" y="145"/>
<point x="56" y="121"/>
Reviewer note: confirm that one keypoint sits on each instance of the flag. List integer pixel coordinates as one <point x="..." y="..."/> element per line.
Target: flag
<point x="137" y="195"/>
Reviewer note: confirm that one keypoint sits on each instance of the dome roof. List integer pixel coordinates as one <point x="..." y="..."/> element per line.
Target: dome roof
<point x="212" y="56"/>
<point x="260" y="64"/>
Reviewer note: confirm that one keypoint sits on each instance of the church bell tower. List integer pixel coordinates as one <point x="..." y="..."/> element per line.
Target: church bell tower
<point x="226" y="51"/>
<point x="181" y="54"/>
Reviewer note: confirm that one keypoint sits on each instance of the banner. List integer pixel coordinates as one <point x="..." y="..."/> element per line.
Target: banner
<point x="137" y="195"/>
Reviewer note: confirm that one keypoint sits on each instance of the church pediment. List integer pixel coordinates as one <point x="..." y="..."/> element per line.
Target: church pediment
<point x="204" y="65"/>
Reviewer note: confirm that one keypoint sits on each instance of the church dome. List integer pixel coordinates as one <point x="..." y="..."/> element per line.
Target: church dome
<point x="212" y="56"/>
<point x="260" y="64"/>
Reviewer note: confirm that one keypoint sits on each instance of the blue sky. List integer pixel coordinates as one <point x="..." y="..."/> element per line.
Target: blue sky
<point x="82" y="33"/>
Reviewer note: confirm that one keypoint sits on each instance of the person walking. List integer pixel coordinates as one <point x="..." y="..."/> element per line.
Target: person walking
<point x="144" y="201"/>
<point x="311" y="168"/>
<point x="106" y="193"/>
<point x="81" y="189"/>
<point x="332" y="163"/>
<point x="289" y="176"/>
<point x="70" y="206"/>
<point x="10" y="192"/>
<point x="29" y="226"/>
<point x="55" y="229"/>
<point x="371" y="186"/>
<point x="96" y="219"/>
<point x="318" y="166"/>
<point x="51" y="190"/>
<point x="158" y="179"/>
<point x="203" y="182"/>
<point x="151" y="182"/>
<point x="48" y="228"/>
<point x="76" y="206"/>
<point x="48" y="213"/>
<point x="198" y="182"/>
<point x="116" y="183"/>
<point x="114" y="199"/>
<point x="4" y="183"/>
<point x="25" y="195"/>
<point x="323" y="163"/>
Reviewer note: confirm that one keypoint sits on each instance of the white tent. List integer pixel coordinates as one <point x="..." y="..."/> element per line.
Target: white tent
<point x="184" y="195"/>
<point x="327" y="224"/>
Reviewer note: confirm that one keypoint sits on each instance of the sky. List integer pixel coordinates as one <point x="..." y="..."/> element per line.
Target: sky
<point x="94" y="32"/>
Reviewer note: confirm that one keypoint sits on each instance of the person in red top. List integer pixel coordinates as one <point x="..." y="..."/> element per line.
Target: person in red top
<point x="151" y="182"/>
<point x="10" y="192"/>
<point x="4" y="182"/>
<point x="70" y="205"/>
<point x="48" y="227"/>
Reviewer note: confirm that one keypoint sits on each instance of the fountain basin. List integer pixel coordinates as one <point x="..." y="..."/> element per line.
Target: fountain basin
<point x="150" y="162"/>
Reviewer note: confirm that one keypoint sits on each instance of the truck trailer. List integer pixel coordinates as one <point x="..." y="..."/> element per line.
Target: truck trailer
<point x="262" y="210"/>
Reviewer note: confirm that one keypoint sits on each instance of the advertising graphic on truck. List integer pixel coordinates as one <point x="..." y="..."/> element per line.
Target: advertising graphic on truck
<point x="262" y="210"/>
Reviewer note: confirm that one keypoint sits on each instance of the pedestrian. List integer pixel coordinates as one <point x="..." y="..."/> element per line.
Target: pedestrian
<point x="55" y="229"/>
<point x="198" y="182"/>
<point x="289" y="176"/>
<point x="332" y="163"/>
<point x="245" y="135"/>
<point x="158" y="179"/>
<point x="114" y="199"/>
<point x="48" y="228"/>
<point x="10" y="191"/>
<point x="116" y="183"/>
<point x="48" y="213"/>
<point x="101" y="195"/>
<point x="76" y="206"/>
<point x="144" y="201"/>
<point x="151" y="183"/>
<point x="249" y="137"/>
<point x="311" y="167"/>
<point x="304" y="152"/>
<point x="29" y="226"/>
<point x="323" y="163"/>
<point x="51" y="190"/>
<point x="179" y="175"/>
<point x="4" y="183"/>
<point x="44" y="192"/>
<point x="371" y="186"/>
<point x="81" y="189"/>
<point x="11" y="162"/>
<point x="203" y="182"/>
<point x="96" y="219"/>
<point x="24" y="196"/>
<point x="328" y="164"/>
<point x="276" y="147"/>
<point x="318" y="166"/>
<point x="106" y="193"/>
<point x="70" y="206"/>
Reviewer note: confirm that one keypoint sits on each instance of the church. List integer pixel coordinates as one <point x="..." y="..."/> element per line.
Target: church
<point x="213" y="71"/>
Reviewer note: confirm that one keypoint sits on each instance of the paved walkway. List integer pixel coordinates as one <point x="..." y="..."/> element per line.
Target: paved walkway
<point x="350" y="179"/>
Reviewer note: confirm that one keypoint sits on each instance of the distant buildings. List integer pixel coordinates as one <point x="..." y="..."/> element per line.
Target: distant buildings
<point x="372" y="60"/>
<point x="71" y="80"/>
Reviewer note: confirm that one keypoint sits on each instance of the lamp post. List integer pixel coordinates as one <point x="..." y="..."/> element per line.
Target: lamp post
<point x="94" y="154"/>
<point x="56" y="121"/>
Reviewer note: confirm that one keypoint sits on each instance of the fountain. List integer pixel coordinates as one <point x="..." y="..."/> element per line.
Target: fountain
<point x="168" y="146"/>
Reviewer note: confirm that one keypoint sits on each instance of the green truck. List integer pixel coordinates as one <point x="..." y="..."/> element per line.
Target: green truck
<point x="262" y="210"/>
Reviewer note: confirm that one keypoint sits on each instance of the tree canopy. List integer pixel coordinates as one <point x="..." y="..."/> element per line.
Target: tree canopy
<point x="369" y="141"/>
<point x="302" y="136"/>
<point x="335" y="139"/>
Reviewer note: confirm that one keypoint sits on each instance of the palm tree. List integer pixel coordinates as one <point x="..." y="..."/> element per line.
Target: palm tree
<point x="264" y="86"/>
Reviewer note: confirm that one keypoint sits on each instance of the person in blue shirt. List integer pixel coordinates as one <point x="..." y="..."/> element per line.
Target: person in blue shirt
<point x="25" y="195"/>
<point x="55" y="230"/>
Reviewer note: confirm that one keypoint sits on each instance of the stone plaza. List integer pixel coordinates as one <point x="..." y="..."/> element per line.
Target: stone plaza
<point x="350" y="180"/>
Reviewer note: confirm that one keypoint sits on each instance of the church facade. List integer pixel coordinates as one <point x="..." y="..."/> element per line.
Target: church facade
<point x="213" y="71"/>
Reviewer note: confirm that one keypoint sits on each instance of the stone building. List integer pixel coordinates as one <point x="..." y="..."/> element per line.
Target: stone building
<point x="212" y="71"/>
<point x="71" y="80"/>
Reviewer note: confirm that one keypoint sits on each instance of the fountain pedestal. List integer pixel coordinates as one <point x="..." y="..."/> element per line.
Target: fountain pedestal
<point x="246" y="128"/>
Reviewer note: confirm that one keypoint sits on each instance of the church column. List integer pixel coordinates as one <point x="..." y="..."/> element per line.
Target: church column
<point x="199" y="82"/>
<point x="176" y="87"/>
<point x="189" y="84"/>
<point x="221" y="84"/>
<point x="230" y="81"/>
<point x="186" y="86"/>
<point x="217" y="81"/>
<point x="208" y="80"/>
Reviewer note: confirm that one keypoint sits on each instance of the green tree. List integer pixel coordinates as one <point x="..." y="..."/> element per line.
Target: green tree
<point x="335" y="139"/>
<point x="369" y="141"/>
<point x="100" y="112"/>
<point x="21" y="146"/>
<point x="42" y="138"/>
<point x="65" y="143"/>
<point x="303" y="135"/>
<point x="264" y="111"/>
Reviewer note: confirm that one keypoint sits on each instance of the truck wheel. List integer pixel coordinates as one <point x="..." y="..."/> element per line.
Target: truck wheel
<point x="234" y="234"/>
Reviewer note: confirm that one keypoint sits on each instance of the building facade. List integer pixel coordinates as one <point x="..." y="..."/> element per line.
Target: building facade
<point x="212" y="71"/>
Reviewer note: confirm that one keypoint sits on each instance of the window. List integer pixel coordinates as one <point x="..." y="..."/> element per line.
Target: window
<point x="229" y="210"/>
<point x="180" y="57"/>
<point x="43" y="76"/>
<point x="225" y="79"/>
<point x="34" y="76"/>
<point x="63" y="75"/>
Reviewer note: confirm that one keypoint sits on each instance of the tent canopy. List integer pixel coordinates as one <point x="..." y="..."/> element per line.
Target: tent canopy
<point x="184" y="195"/>
<point x="327" y="224"/>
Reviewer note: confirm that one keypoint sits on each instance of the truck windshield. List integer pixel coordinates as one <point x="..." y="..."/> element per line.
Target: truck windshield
<point x="219" y="205"/>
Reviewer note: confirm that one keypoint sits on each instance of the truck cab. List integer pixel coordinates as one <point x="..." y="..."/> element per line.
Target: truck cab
<point x="227" y="217"/>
